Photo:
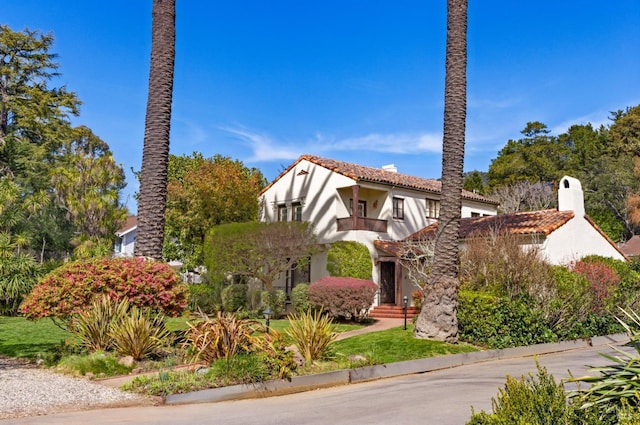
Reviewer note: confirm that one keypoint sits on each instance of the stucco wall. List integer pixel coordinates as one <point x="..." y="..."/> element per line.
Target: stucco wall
<point x="577" y="239"/>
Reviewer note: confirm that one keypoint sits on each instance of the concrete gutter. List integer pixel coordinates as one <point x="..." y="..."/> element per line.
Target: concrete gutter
<point x="369" y="373"/>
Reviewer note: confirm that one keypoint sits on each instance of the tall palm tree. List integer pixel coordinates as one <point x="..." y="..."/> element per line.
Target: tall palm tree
<point x="438" y="319"/>
<point x="155" y="155"/>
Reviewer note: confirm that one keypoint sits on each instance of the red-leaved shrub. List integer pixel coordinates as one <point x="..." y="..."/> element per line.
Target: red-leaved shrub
<point x="603" y="281"/>
<point x="345" y="297"/>
<point x="72" y="288"/>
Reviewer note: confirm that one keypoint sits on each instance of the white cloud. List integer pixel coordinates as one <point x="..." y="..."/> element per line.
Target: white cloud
<point x="266" y="148"/>
<point x="596" y="119"/>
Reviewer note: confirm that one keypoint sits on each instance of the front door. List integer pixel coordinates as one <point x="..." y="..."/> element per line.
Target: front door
<point x="387" y="282"/>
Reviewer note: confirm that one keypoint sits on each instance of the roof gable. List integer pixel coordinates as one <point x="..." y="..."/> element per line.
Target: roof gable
<point x="360" y="173"/>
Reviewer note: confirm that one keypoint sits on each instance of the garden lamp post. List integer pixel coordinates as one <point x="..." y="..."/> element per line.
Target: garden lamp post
<point x="405" y="304"/>
<point x="267" y="316"/>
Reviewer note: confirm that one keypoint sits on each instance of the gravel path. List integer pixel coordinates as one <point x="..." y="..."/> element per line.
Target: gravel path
<point x="26" y="390"/>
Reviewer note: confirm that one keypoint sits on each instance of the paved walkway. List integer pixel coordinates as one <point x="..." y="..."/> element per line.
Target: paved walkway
<point x="378" y="325"/>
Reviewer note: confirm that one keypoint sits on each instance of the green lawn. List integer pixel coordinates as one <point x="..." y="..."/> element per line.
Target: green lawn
<point x="395" y="345"/>
<point x="23" y="338"/>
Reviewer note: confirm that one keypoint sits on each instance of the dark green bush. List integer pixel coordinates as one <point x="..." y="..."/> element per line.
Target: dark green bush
<point x="349" y="259"/>
<point x="234" y="297"/>
<point x="300" y="298"/>
<point x="205" y="297"/>
<point x="497" y="322"/>
<point x="276" y="300"/>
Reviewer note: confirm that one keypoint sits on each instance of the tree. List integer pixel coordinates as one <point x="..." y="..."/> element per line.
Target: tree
<point x="474" y="182"/>
<point x="257" y="250"/>
<point x="437" y="318"/>
<point x="87" y="183"/>
<point x="523" y="195"/>
<point x="202" y="193"/>
<point x="536" y="157"/>
<point x="34" y="118"/>
<point x="155" y="155"/>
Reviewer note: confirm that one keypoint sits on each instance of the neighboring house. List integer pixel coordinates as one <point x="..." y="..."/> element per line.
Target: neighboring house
<point x="562" y="235"/>
<point x="631" y="248"/>
<point x="388" y="206"/>
<point x="126" y="238"/>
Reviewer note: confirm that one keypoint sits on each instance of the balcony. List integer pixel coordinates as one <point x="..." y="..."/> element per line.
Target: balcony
<point x="364" y="223"/>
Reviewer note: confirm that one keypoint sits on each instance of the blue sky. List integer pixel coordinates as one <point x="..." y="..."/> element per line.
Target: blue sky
<point x="360" y="81"/>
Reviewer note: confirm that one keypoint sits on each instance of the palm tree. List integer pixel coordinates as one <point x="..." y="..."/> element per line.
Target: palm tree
<point x="437" y="319"/>
<point x="155" y="155"/>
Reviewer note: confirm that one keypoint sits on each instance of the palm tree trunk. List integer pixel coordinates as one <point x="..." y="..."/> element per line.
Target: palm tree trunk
<point x="438" y="319"/>
<point x="155" y="155"/>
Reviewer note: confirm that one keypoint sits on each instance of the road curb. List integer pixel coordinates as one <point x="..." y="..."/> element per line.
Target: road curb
<point x="371" y="373"/>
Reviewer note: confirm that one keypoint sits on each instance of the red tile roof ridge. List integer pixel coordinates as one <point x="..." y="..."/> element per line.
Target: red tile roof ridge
<point x="378" y="175"/>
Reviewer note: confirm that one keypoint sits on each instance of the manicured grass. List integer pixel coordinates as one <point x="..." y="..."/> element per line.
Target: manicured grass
<point x="394" y="345"/>
<point x="23" y="338"/>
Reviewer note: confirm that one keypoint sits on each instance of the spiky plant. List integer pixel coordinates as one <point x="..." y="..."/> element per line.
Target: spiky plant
<point x="92" y="327"/>
<point x="139" y="334"/>
<point x="312" y="333"/>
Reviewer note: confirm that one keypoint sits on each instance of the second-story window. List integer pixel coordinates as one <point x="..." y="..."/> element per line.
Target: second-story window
<point x="433" y="208"/>
<point x="296" y="211"/>
<point x="362" y="208"/>
<point x="283" y="213"/>
<point x="398" y="208"/>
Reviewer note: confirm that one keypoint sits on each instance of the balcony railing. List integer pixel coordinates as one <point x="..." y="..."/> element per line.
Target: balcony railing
<point x="363" y="223"/>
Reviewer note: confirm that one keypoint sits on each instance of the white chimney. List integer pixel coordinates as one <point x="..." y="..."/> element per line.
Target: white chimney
<point x="570" y="196"/>
<point x="390" y="167"/>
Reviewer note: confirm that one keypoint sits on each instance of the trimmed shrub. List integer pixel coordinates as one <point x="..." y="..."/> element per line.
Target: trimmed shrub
<point x="276" y="300"/>
<point x="349" y="259"/>
<point x="497" y="322"/>
<point x="70" y="289"/>
<point x="300" y="298"/>
<point x="343" y="297"/>
<point x="234" y="297"/>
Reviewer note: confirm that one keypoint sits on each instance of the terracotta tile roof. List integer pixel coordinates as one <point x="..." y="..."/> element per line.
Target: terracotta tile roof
<point x="130" y="223"/>
<point x="378" y="175"/>
<point x="631" y="247"/>
<point x="524" y="223"/>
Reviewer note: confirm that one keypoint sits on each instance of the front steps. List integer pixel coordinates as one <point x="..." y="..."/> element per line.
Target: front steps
<point x="391" y="311"/>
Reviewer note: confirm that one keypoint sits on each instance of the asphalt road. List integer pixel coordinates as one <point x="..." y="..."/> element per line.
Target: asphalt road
<point x="439" y="398"/>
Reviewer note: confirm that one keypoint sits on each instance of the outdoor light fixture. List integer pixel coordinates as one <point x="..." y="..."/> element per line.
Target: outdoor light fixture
<point x="267" y="316"/>
<point x="405" y="304"/>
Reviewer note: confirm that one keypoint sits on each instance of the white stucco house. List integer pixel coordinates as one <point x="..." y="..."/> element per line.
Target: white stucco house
<point x="126" y="238"/>
<point x="388" y="206"/>
<point x="561" y="235"/>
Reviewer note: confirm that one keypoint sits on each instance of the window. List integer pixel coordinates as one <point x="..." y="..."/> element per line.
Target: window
<point x="475" y="214"/>
<point x="298" y="273"/>
<point x="283" y="213"/>
<point x="398" y="208"/>
<point x="433" y="208"/>
<point x="296" y="210"/>
<point x="362" y="208"/>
